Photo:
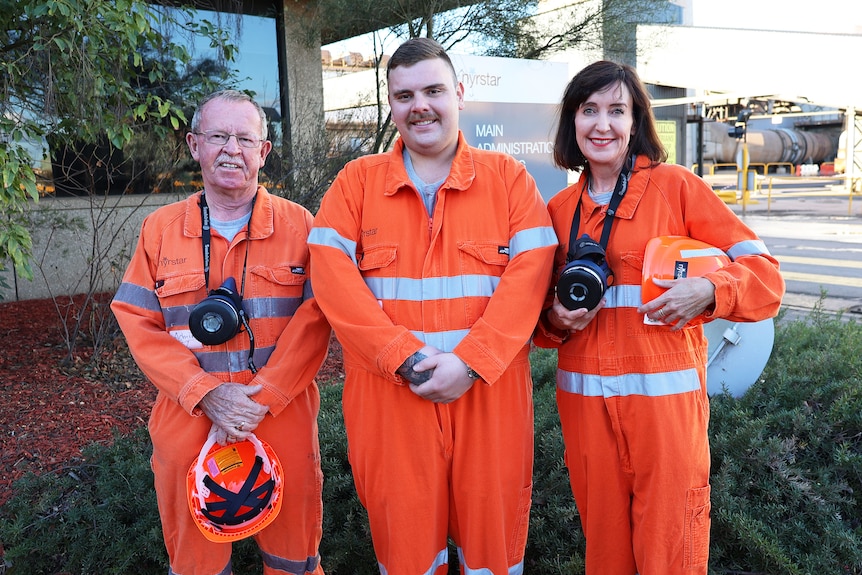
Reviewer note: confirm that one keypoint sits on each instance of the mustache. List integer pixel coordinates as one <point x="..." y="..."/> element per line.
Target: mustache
<point x="224" y="159"/>
<point x="421" y="117"/>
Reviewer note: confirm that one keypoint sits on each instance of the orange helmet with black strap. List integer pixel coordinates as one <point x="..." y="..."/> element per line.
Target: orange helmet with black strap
<point x="235" y="490"/>
<point x="675" y="257"/>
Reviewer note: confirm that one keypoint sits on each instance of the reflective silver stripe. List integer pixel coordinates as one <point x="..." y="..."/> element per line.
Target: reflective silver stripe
<point x="231" y="361"/>
<point x="264" y="307"/>
<point x="270" y="307"/>
<point x="226" y="571"/>
<point x="648" y="384"/>
<point x="137" y="296"/>
<point x="331" y="238"/>
<point x="530" y="239"/>
<point x="442" y="558"/>
<point x="700" y="253"/>
<point x="455" y="287"/>
<point x="177" y="315"/>
<point x="623" y="296"/>
<point x="290" y="566"/>
<point x="748" y="248"/>
<point x="517" y="569"/>
<point x="445" y="341"/>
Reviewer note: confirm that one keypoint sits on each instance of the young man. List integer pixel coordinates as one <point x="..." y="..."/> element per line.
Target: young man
<point x="241" y="385"/>
<point x="430" y="262"/>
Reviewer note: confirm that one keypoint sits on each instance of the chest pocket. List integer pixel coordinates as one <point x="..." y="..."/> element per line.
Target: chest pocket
<point x="174" y="285"/>
<point x="178" y="295"/>
<point x="378" y="265"/>
<point x="483" y="258"/>
<point x="481" y="264"/>
<point x="379" y="258"/>
<point x="272" y="296"/>
<point x="281" y="281"/>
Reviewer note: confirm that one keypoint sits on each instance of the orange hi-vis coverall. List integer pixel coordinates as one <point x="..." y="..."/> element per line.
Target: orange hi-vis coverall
<point x="469" y="280"/>
<point x="163" y="283"/>
<point x="632" y="397"/>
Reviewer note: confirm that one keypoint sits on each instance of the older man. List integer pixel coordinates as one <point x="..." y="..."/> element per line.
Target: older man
<point x="256" y="377"/>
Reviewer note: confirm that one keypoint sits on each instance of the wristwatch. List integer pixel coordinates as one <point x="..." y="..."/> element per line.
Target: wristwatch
<point x="471" y="373"/>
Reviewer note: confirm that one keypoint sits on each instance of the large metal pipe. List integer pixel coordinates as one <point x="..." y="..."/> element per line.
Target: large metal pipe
<point x="768" y="146"/>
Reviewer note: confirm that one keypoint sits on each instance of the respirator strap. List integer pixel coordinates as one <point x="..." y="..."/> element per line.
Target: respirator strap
<point x="206" y="239"/>
<point x="617" y="197"/>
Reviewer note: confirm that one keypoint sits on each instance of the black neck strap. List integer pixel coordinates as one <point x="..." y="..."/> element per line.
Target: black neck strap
<point x="617" y="197"/>
<point x="206" y="238"/>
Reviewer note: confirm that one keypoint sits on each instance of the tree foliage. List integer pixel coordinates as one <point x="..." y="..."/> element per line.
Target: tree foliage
<point x="83" y="71"/>
<point x="506" y="28"/>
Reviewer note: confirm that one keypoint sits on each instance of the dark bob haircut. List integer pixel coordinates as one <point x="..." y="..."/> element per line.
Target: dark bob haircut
<point x="594" y="78"/>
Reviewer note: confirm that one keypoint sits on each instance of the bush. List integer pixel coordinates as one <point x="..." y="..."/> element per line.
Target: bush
<point x="556" y="542"/>
<point x="787" y="457"/>
<point x="346" y="545"/>
<point x="96" y="517"/>
<point x="786" y="477"/>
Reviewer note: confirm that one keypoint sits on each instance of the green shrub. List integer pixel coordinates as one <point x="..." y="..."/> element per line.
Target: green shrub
<point x="96" y="517"/>
<point x="346" y="545"/>
<point x="787" y="457"/>
<point x="556" y="543"/>
<point x="786" y="477"/>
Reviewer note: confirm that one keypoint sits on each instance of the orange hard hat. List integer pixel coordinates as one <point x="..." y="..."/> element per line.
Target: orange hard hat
<point x="674" y="257"/>
<point x="234" y="490"/>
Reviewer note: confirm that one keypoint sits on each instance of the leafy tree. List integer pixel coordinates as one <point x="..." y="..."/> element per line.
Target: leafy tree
<point x="78" y="72"/>
<point x="507" y="28"/>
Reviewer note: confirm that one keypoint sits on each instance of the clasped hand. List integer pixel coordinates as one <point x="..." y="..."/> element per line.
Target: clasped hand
<point x="233" y="412"/>
<point x="448" y="376"/>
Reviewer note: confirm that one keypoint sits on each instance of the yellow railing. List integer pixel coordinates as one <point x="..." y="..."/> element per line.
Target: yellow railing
<point x="811" y="194"/>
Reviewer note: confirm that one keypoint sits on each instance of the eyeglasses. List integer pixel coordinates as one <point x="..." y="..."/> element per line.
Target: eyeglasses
<point x="221" y="138"/>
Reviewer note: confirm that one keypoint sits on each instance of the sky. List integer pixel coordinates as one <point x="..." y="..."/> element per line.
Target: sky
<point x="823" y="16"/>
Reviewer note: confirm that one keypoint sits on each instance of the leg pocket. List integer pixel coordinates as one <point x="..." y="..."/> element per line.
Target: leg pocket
<point x="518" y="543"/>
<point x="697" y="524"/>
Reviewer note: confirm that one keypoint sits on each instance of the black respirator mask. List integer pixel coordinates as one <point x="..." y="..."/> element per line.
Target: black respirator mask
<point x="585" y="277"/>
<point x="219" y="317"/>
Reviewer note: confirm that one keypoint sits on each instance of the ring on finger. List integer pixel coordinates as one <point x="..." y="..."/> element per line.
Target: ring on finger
<point x="240" y="426"/>
<point x="661" y="312"/>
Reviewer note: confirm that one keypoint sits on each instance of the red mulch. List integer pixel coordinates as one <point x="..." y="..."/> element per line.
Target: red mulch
<point x="53" y="405"/>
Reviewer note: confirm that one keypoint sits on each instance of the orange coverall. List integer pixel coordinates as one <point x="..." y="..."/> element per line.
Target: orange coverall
<point x="632" y="397"/>
<point x="469" y="280"/>
<point x="163" y="283"/>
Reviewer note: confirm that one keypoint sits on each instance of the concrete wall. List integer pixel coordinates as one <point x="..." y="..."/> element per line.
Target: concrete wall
<point x="81" y="244"/>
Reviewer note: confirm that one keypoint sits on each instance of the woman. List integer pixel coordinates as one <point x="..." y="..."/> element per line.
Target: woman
<point x="631" y="379"/>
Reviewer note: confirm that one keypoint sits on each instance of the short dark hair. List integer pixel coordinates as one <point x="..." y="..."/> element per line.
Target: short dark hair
<point x="594" y="78"/>
<point x="416" y="50"/>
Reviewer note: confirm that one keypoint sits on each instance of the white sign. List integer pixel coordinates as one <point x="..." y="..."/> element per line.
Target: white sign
<point x="511" y="106"/>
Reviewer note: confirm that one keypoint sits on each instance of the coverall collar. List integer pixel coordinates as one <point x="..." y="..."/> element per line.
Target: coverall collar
<point x="460" y="176"/>
<point x="636" y="188"/>
<point x="261" y="222"/>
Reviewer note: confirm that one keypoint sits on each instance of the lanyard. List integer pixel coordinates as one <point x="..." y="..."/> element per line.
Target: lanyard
<point x="205" y="241"/>
<point x="617" y="197"/>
